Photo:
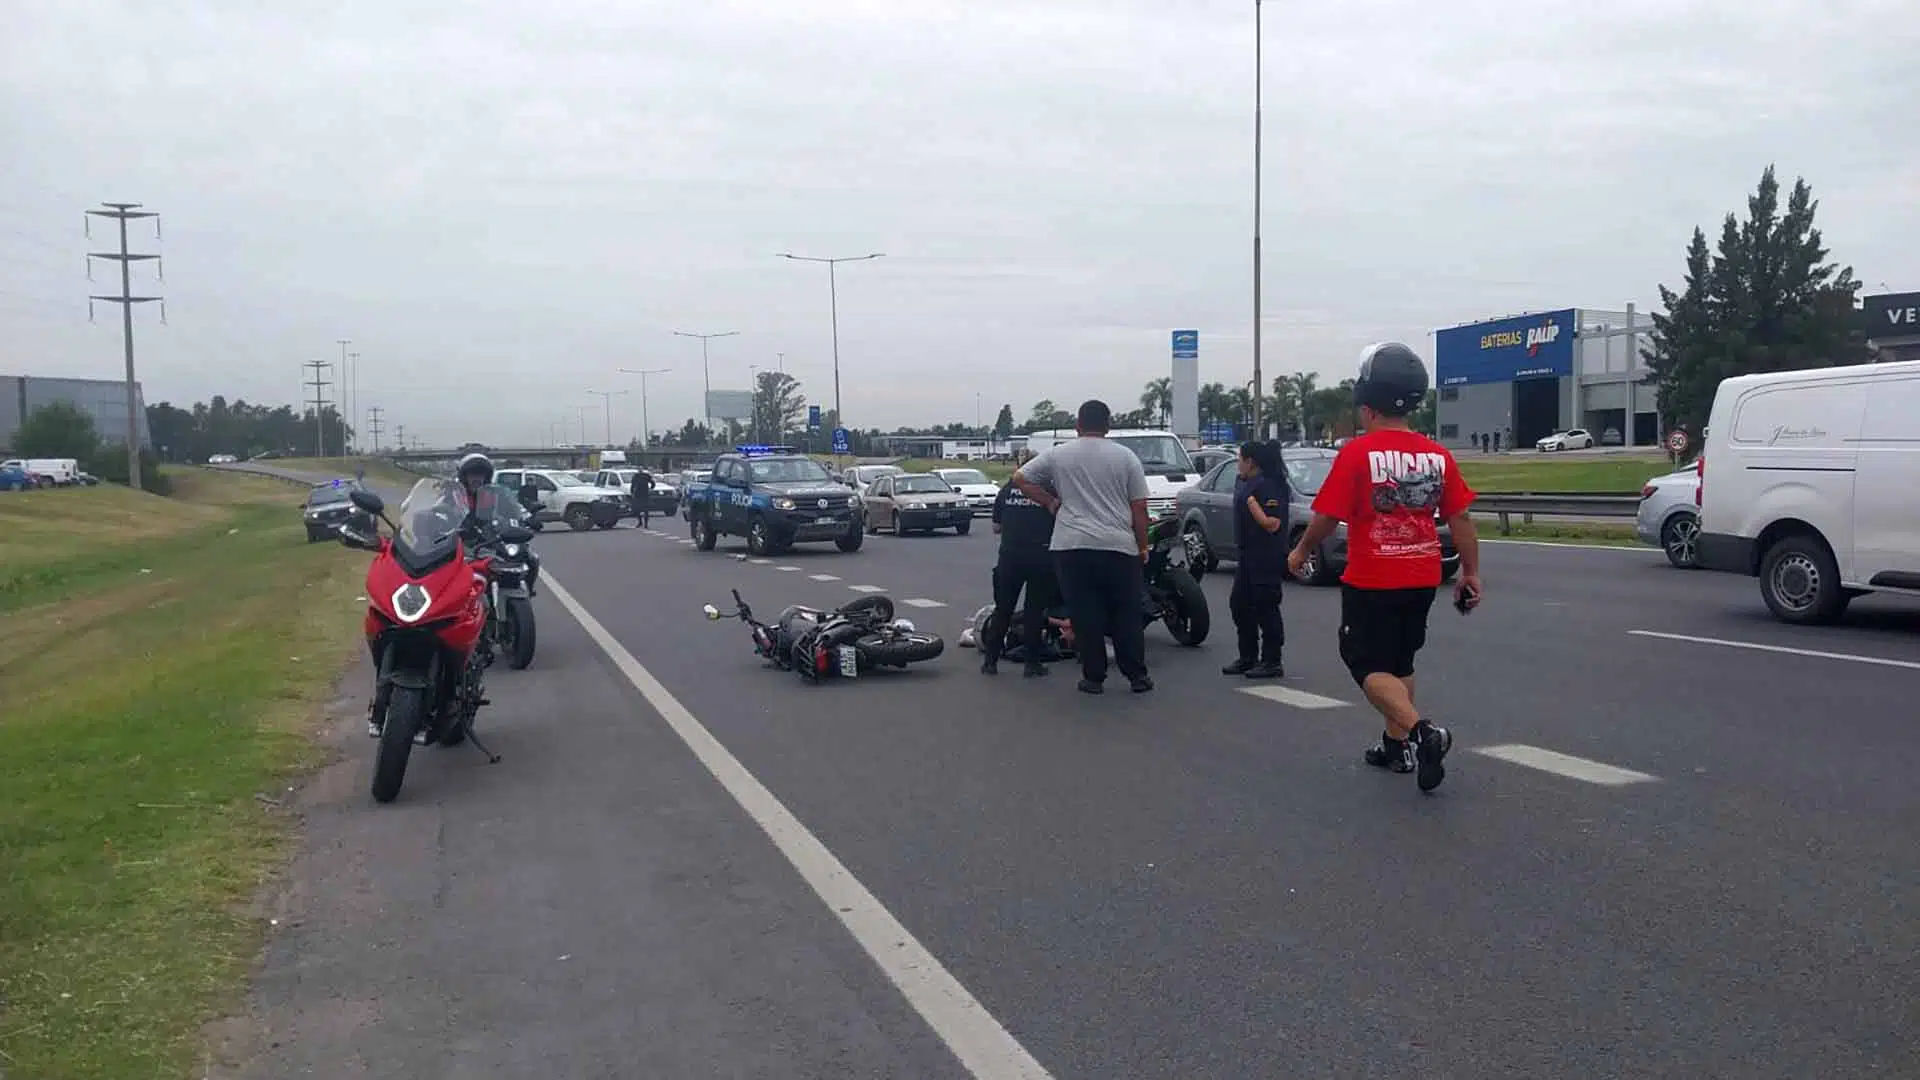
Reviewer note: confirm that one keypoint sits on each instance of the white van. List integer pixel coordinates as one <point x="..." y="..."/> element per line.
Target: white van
<point x="61" y="471"/>
<point x="1168" y="467"/>
<point x="1808" y="481"/>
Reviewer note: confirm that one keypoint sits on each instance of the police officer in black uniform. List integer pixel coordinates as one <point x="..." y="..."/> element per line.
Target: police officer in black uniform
<point x="1026" y="530"/>
<point x="643" y="496"/>
<point x="1260" y="501"/>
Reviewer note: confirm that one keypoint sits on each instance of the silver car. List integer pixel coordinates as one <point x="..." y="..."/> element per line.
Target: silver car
<point x="1206" y="519"/>
<point x="1669" y="516"/>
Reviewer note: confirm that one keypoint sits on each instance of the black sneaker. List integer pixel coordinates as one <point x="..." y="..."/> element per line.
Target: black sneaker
<point x="989" y="665"/>
<point x="1034" y="669"/>
<point x="1239" y="667"/>
<point x="1394" y="755"/>
<point x="1140" y="685"/>
<point x="1431" y="743"/>
<point x="1266" y="669"/>
<point x="1088" y="686"/>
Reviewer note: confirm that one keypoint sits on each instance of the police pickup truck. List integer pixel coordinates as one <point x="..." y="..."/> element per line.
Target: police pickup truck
<point x="775" y="497"/>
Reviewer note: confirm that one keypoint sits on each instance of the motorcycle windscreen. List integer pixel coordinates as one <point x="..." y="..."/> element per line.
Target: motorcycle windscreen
<point x="429" y="524"/>
<point x="500" y="505"/>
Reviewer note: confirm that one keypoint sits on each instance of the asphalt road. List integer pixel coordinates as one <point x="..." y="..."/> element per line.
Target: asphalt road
<point x="1718" y="880"/>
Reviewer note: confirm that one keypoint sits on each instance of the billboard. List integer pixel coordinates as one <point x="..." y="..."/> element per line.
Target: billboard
<point x="1891" y="315"/>
<point x="1521" y="347"/>
<point x="1186" y="382"/>
<point x="730" y="404"/>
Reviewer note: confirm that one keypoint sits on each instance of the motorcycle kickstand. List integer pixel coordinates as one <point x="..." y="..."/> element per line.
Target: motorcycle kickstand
<point x="474" y="738"/>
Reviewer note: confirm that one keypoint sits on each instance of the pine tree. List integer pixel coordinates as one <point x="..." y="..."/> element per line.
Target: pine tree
<point x="1765" y="300"/>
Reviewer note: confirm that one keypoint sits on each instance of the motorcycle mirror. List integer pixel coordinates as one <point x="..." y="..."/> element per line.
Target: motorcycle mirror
<point x="712" y="613"/>
<point x="368" y="501"/>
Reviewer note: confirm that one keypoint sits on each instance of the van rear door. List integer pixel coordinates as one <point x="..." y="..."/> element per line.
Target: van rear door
<point x="1792" y="442"/>
<point x="1886" y="501"/>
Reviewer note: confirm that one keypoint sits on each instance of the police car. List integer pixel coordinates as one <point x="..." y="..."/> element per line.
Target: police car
<point x="775" y="497"/>
<point x="326" y="508"/>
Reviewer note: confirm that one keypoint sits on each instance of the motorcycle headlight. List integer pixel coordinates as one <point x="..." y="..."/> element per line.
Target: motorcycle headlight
<point x="511" y="551"/>
<point x="410" y="602"/>
<point x="783" y="503"/>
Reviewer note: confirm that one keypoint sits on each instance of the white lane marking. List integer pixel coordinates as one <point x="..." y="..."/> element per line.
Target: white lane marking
<point x="1882" y="661"/>
<point x="1287" y="695"/>
<point x="921" y="602"/>
<point x="788" y="569"/>
<point x="822" y="577"/>
<point x="761" y="562"/>
<point x="1577" y="547"/>
<point x="684" y="540"/>
<point x="866" y="588"/>
<point x="985" y="1048"/>
<point x="1575" y="768"/>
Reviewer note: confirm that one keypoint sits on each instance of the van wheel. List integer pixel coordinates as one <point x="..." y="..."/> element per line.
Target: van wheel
<point x="578" y="517"/>
<point x="1800" y="582"/>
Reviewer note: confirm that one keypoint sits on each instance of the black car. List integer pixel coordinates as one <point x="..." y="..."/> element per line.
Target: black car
<point x="326" y="508"/>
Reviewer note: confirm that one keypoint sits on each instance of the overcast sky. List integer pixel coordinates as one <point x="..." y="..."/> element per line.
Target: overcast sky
<point x="503" y="203"/>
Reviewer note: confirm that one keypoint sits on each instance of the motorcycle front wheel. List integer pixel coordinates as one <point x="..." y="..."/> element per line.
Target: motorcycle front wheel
<point x="406" y="711"/>
<point x="899" y="649"/>
<point x="1185" y="609"/>
<point x="517" y="623"/>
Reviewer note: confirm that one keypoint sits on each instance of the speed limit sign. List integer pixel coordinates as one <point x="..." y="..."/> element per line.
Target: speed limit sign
<point x="1677" y="441"/>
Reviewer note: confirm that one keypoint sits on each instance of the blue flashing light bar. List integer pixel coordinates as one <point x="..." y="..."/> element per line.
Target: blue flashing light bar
<point x="759" y="451"/>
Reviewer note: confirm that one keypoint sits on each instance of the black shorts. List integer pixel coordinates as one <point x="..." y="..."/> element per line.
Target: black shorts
<point x="1382" y="629"/>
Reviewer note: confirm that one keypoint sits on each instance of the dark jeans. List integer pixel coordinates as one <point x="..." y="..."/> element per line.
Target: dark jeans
<point x="1016" y="571"/>
<point x="1104" y="593"/>
<point x="1256" y="619"/>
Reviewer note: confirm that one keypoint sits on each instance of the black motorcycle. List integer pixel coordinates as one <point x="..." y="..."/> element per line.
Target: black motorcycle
<point x="510" y="628"/>
<point x="1172" y="595"/>
<point x="847" y="642"/>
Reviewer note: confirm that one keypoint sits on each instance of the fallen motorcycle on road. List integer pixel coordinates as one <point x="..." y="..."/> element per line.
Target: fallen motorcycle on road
<point x="846" y="642"/>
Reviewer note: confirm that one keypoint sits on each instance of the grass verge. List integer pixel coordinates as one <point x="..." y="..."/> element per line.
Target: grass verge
<point x="1561" y="532"/>
<point x="146" y="713"/>
<point x="380" y="471"/>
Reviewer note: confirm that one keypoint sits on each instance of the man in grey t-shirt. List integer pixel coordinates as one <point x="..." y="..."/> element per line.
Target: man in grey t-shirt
<point x="1097" y="490"/>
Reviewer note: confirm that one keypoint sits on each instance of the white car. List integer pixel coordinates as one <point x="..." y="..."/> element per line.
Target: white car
<point x="1577" y="439"/>
<point x="1168" y="467"/>
<point x="564" y="497"/>
<point x="1669" y="516"/>
<point x="973" y="486"/>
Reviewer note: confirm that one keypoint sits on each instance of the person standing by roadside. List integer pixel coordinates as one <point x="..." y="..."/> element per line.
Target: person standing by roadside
<point x="1026" y="529"/>
<point x="1260" y="500"/>
<point x="643" y="496"/>
<point x="1391" y="486"/>
<point x="1098" y="491"/>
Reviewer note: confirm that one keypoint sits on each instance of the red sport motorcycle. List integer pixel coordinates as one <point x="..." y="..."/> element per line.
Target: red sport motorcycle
<point x="427" y="613"/>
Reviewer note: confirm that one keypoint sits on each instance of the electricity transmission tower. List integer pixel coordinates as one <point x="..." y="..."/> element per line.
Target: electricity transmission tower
<point x="319" y="404"/>
<point x="123" y="213"/>
<point x="373" y="424"/>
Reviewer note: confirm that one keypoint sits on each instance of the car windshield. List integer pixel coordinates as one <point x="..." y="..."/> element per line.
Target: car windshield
<point x="920" y="485"/>
<point x="789" y="471"/>
<point x="1305" y="475"/>
<point x="430" y="520"/>
<point x="1159" y="453"/>
<point x="965" y="476"/>
<point x="328" y="496"/>
<point x="500" y="505"/>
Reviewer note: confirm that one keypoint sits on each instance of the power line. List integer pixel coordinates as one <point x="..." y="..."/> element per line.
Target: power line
<point x="373" y="423"/>
<point x="123" y="213"/>
<point x="319" y="404"/>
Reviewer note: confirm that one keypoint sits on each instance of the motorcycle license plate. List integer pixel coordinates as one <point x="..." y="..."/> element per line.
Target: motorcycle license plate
<point x="849" y="661"/>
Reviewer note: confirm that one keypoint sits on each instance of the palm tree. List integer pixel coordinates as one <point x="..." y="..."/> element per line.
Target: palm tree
<point x="1214" y="404"/>
<point x="1157" y="399"/>
<point x="1304" y="385"/>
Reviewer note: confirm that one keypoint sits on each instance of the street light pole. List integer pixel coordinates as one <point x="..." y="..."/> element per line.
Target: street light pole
<point x="705" y="370"/>
<point x="608" y="396"/>
<point x="1257" y="387"/>
<point x="753" y="424"/>
<point x="833" y="302"/>
<point x="646" y="433"/>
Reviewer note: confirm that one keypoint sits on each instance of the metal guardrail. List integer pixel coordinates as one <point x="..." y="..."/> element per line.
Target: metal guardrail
<point x="1583" y="504"/>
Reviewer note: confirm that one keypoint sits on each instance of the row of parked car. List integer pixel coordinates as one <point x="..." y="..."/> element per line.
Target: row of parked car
<point x="25" y="474"/>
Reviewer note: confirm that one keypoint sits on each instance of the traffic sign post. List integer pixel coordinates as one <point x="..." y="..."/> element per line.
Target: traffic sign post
<point x="813" y="418"/>
<point x="842" y="442"/>
<point x="1676" y="443"/>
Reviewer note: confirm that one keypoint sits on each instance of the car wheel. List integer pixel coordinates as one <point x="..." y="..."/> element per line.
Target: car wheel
<point x="963" y="528"/>
<point x="578" y="518"/>
<point x="759" y="537"/>
<point x="1800" y="581"/>
<point x="1200" y="560"/>
<point x="703" y="536"/>
<point x="1680" y="538"/>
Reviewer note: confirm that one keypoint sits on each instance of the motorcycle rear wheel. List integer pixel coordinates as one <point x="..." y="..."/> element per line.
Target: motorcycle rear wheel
<point x="899" y="650"/>
<point x="406" y="711"/>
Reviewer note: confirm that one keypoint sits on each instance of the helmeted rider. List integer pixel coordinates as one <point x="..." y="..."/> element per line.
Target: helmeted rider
<point x="475" y="474"/>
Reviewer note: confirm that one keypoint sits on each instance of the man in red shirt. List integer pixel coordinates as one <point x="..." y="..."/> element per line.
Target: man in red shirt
<point x="1391" y="486"/>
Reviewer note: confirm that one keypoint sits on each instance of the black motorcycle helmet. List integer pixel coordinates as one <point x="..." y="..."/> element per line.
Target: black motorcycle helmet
<point x="1392" y="381"/>
<point x="477" y="466"/>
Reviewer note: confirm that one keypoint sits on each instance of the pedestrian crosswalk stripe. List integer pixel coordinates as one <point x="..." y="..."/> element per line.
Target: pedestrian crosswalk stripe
<point x="823" y="577"/>
<point x="1574" y="768"/>
<point x="1287" y="695"/>
<point x="788" y="569"/>
<point x="866" y="588"/>
<point x="922" y="602"/>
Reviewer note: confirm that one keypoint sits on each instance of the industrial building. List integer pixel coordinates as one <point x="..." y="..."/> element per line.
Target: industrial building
<point x="1528" y="376"/>
<point x="103" y="399"/>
